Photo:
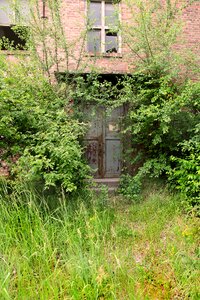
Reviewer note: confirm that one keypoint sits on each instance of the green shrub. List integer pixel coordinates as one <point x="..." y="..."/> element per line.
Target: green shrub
<point x="130" y="186"/>
<point x="186" y="174"/>
<point x="161" y="119"/>
<point x="36" y="125"/>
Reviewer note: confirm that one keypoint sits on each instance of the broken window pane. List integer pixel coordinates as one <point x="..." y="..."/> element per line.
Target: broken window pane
<point x="94" y="41"/>
<point x="111" y="42"/>
<point x="10" y="39"/>
<point x="111" y="18"/>
<point x="95" y="14"/>
<point x="5" y="13"/>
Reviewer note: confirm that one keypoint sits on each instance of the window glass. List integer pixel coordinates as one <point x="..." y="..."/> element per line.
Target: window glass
<point x="111" y="18"/>
<point x="95" y="14"/>
<point x="94" y="41"/>
<point x="5" y="13"/>
<point x="111" y="42"/>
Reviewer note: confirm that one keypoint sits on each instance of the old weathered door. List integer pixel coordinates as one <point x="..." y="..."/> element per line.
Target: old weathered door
<point x="103" y="144"/>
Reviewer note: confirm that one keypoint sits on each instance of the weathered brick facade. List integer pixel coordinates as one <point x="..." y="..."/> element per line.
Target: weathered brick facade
<point x="191" y="19"/>
<point x="74" y="21"/>
<point x="73" y="16"/>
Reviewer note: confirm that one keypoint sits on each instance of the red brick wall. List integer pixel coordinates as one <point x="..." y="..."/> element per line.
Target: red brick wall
<point x="73" y="17"/>
<point x="191" y="19"/>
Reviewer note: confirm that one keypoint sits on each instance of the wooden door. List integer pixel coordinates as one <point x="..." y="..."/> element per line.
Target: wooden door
<point x="103" y="144"/>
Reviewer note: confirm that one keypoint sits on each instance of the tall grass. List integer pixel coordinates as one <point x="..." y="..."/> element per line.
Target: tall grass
<point x="53" y="254"/>
<point x="96" y="248"/>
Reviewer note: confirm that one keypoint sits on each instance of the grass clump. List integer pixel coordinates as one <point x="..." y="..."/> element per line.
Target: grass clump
<point x="55" y="254"/>
<point x="96" y="248"/>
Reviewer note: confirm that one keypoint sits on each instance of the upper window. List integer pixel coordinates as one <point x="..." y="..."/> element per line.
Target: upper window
<point x="103" y="19"/>
<point x="12" y="13"/>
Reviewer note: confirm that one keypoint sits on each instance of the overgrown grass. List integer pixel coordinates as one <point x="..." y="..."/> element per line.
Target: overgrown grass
<point x="97" y="248"/>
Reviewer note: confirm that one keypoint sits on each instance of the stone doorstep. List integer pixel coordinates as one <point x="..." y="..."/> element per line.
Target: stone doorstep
<point x="111" y="183"/>
<point x="107" y="181"/>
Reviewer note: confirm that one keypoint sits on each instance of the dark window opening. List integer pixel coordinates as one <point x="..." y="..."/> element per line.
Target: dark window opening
<point x="111" y="40"/>
<point x="9" y="39"/>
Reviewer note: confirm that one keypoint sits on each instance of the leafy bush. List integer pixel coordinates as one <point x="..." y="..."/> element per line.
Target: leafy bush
<point x="130" y="186"/>
<point x="37" y="126"/>
<point x="161" y="120"/>
<point x="55" y="156"/>
<point x="186" y="174"/>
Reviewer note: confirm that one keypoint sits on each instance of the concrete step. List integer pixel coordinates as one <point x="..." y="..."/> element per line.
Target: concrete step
<point x="107" y="181"/>
<point x="111" y="183"/>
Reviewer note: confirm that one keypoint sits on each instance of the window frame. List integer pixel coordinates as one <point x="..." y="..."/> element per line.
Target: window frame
<point x="103" y="28"/>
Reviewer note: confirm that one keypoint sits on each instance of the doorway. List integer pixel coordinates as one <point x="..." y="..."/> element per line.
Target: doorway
<point x="103" y="142"/>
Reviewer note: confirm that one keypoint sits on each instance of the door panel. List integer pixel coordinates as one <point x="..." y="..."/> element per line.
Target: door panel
<point x="103" y="145"/>
<point x="94" y="140"/>
<point x="113" y="158"/>
<point x="92" y="150"/>
<point x="113" y="143"/>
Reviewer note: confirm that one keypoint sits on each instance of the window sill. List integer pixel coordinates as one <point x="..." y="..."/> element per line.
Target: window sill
<point x="104" y="55"/>
<point x="14" y="52"/>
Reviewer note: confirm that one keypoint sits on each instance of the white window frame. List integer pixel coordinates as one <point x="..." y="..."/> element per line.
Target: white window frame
<point x="103" y="28"/>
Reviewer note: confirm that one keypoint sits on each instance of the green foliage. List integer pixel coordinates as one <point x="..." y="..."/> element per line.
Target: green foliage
<point x="37" y="126"/>
<point x="55" y="156"/>
<point x="154" y="28"/>
<point x="162" y="111"/>
<point x="84" y="250"/>
<point x="163" y="122"/>
<point x="186" y="174"/>
<point x="22" y="33"/>
<point x="130" y="187"/>
<point x="155" y="109"/>
<point x="92" y="89"/>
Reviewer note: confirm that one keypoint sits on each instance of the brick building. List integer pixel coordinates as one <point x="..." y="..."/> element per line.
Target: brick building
<point x="91" y="29"/>
<point x="94" y="41"/>
<point x="104" y="48"/>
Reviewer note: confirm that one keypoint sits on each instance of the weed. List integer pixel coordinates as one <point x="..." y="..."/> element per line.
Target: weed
<point x="96" y="248"/>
